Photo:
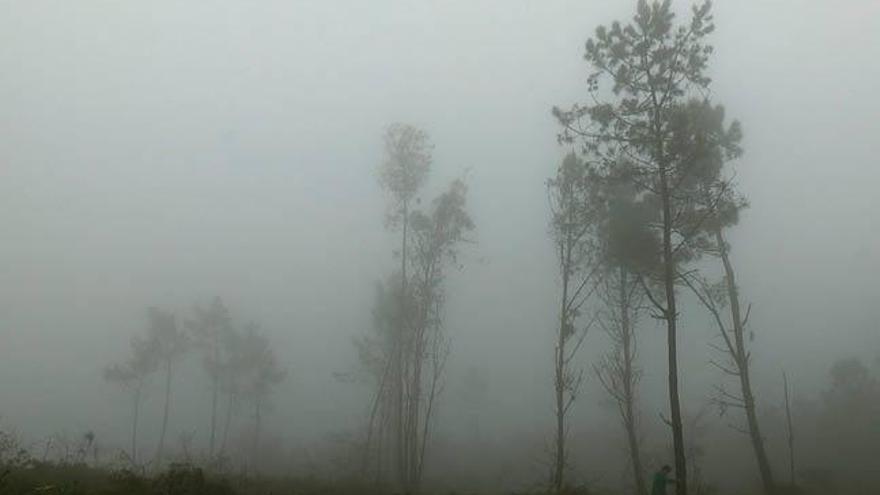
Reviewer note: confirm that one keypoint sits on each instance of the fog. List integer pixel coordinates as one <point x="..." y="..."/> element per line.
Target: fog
<point x="163" y="153"/>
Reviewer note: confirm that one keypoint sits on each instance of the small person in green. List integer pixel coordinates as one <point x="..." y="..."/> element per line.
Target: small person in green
<point x="661" y="479"/>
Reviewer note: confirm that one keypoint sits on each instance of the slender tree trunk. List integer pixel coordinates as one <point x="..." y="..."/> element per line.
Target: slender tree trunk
<point x="755" y="436"/>
<point x="415" y="416"/>
<point x="215" y="387"/>
<point x="560" y="371"/>
<point x="791" y="478"/>
<point x="229" y="408"/>
<point x="161" y="447"/>
<point x="417" y="430"/>
<point x="134" y="423"/>
<point x="380" y="438"/>
<point x="742" y="361"/>
<point x="630" y="421"/>
<point x="671" y="316"/>
<point x="559" y="465"/>
<point x="374" y="410"/>
<point x="399" y="426"/>
<point x="258" y="423"/>
<point x="426" y="427"/>
<point x="384" y="418"/>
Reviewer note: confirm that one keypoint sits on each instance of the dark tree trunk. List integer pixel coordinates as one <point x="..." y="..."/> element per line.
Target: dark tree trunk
<point x="560" y="371"/>
<point x="671" y="317"/>
<point x="559" y="460"/>
<point x="400" y="418"/>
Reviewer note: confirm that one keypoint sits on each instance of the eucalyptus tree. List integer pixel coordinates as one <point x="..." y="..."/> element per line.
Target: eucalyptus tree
<point x="168" y="343"/>
<point x="132" y="374"/>
<point x="375" y="353"/>
<point x="438" y="234"/>
<point x="572" y="227"/>
<point x="648" y="86"/>
<point x="211" y="329"/>
<point x="401" y="175"/>
<point x="406" y="350"/>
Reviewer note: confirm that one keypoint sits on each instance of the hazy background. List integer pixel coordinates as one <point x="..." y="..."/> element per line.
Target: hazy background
<point x="164" y="152"/>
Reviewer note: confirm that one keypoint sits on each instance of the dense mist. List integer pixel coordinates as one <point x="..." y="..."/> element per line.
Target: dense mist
<point x="184" y="155"/>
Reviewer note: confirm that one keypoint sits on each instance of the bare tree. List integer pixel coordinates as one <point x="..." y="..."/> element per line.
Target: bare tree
<point x="573" y="220"/>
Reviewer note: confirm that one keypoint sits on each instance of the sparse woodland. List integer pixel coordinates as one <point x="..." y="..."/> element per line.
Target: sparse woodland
<point x="641" y="197"/>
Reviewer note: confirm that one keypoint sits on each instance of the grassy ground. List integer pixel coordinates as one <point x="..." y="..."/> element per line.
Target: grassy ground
<point x="39" y="478"/>
<point x="50" y="479"/>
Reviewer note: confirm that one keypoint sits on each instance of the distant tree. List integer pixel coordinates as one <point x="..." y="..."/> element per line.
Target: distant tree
<point x="407" y="352"/>
<point x="261" y="373"/>
<point x="407" y="348"/>
<point x="402" y="174"/>
<point x="647" y="128"/>
<point x="437" y="236"/>
<point x="231" y="384"/>
<point x="211" y="329"/>
<point x="376" y="352"/>
<point x="132" y="375"/>
<point x="404" y="171"/>
<point x="168" y="343"/>
<point x="572" y="225"/>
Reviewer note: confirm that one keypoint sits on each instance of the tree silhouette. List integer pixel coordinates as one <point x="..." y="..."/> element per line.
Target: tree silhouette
<point x="572" y="227"/>
<point x="258" y="368"/>
<point x="407" y="349"/>
<point x="621" y="304"/>
<point x="211" y="329"/>
<point x="648" y="87"/>
<point x="168" y="343"/>
<point x="132" y="375"/>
